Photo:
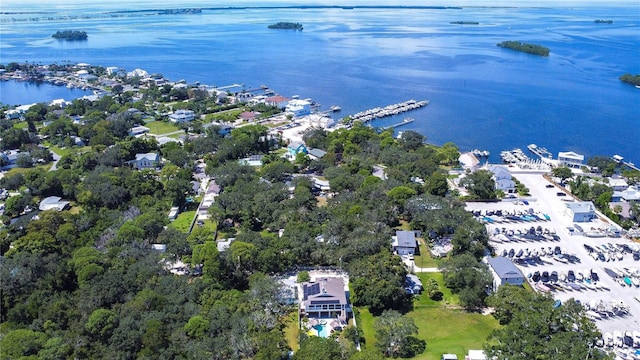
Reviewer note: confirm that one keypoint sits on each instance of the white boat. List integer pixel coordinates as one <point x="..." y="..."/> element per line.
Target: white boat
<point x="617" y="339"/>
<point x="608" y="339"/>
<point x="635" y="282"/>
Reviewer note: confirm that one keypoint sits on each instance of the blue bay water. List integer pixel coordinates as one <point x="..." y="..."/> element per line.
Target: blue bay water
<point x="481" y="96"/>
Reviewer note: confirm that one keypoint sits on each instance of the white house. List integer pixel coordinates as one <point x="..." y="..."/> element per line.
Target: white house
<point x="53" y="203"/>
<point x="145" y="161"/>
<point x="618" y="184"/>
<point x="297" y="107"/>
<point x="580" y="211"/>
<point x="476" y="355"/>
<point x="182" y="116"/>
<point x="570" y="159"/>
<point x="504" y="272"/>
<point x="502" y="177"/>
<point x="404" y="242"/>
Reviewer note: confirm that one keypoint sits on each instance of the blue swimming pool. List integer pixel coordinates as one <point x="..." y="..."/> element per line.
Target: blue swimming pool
<point x="323" y="330"/>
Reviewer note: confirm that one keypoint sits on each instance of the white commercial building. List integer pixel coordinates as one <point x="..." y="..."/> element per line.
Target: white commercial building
<point x="570" y="159"/>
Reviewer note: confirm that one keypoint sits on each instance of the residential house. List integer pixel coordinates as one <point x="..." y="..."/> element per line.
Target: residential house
<point x="138" y="130"/>
<point x="248" y="115"/>
<point x="53" y="203"/>
<point x="173" y="213"/>
<point x="404" y="242"/>
<point x="325" y="298"/>
<point x="449" y="357"/>
<point x="278" y="101"/>
<point x="628" y="195"/>
<point x="297" y="107"/>
<point x="618" y="184"/>
<point x="570" y="159"/>
<point x="182" y="115"/>
<point x="224" y="130"/>
<point x="504" y="272"/>
<point x="316" y="154"/>
<point x="503" y="179"/>
<point x="145" y="161"/>
<point x="296" y="147"/>
<point x="580" y="211"/>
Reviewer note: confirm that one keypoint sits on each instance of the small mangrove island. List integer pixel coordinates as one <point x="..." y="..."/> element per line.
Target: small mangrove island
<point x="599" y="21"/>
<point x="70" y="35"/>
<point x="630" y="79"/>
<point x="464" y="23"/>
<point x="524" y="47"/>
<point x="286" y="26"/>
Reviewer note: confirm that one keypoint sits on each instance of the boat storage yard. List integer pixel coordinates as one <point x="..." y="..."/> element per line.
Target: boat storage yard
<point x="554" y="258"/>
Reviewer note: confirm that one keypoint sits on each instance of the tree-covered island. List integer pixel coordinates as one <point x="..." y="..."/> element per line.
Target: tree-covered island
<point x="524" y="47"/>
<point x="286" y="26"/>
<point x="70" y="35"/>
<point x="630" y="79"/>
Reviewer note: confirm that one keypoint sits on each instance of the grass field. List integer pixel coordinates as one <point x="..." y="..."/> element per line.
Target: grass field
<point x="68" y="150"/>
<point x="425" y="259"/>
<point x="442" y="324"/>
<point x="183" y="221"/>
<point x="161" y="127"/>
<point x="291" y="331"/>
<point x="451" y="331"/>
<point x="17" y="170"/>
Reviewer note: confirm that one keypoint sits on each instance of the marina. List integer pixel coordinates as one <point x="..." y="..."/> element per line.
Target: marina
<point x="389" y="110"/>
<point x="540" y="151"/>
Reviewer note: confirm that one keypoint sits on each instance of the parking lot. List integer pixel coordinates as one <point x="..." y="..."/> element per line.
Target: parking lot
<point x="538" y="226"/>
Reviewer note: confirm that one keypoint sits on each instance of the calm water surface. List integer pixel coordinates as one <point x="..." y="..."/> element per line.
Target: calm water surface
<point x="481" y="96"/>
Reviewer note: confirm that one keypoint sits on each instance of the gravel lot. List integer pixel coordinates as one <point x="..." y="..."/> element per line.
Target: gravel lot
<point x="544" y="200"/>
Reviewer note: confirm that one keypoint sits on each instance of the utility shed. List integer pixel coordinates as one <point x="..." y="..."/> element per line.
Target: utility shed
<point x="504" y="272"/>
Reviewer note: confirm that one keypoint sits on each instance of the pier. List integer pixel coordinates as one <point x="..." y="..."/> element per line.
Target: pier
<point x="620" y="160"/>
<point x="390" y="110"/>
<point x="540" y="151"/>
<point x="404" y="122"/>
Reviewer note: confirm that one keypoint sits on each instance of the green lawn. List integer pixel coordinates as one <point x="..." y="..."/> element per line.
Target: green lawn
<point x="365" y="327"/>
<point x="68" y="150"/>
<point x="183" y="221"/>
<point x="425" y="259"/>
<point x="442" y="324"/>
<point x="161" y="127"/>
<point x="17" y="170"/>
<point x="451" y="331"/>
<point x="292" y="330"/>
<point x="20" y="125"/>
<point x="423" y="299"/>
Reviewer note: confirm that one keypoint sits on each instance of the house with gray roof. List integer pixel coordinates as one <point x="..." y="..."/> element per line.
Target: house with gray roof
<point x="325" y="298"/>
<point x="145" y="161"/>
<point x="580" y="211"/>
<point x="53" y="203"/>
<point x="404" y="242"/>
<point x="504" y="271"/>
<point x="315" y="154"/>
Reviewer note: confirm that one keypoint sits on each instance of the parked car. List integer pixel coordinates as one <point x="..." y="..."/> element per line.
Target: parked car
<point x="560" y="193"/>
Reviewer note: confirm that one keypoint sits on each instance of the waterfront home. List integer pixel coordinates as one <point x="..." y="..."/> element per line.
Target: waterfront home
<point x="248" y="115"/>
<point x="504" y="272"/>
<point x="278" y="101"/>
<point x="325" y="298"/>
<point x="503" y="179"/>
<point x="145" y="161"/>
<point x="404" y="242"/>
<point x="570" y="159"/>
<point x="580" y="211"/>
<point x="182" y="115"/>
<point x="297" y="107"/>
<point x="630" y="194"/>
